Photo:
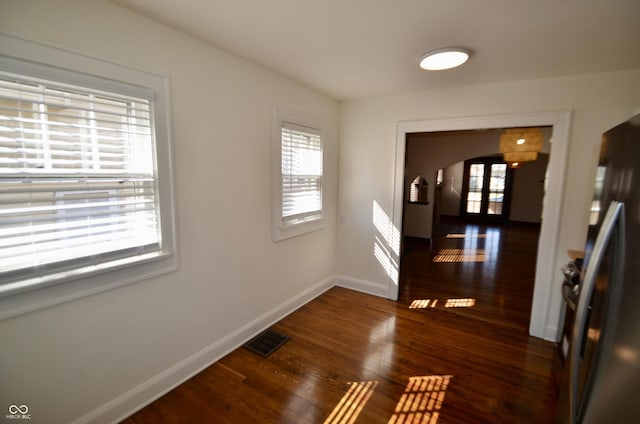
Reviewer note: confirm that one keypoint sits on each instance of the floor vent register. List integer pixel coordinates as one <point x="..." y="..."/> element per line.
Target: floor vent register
<point x="267" y="342"/>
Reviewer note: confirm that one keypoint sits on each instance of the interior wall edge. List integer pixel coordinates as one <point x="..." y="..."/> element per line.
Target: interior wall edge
<point x="550" y="333"/>
<point x="364" y="286"/>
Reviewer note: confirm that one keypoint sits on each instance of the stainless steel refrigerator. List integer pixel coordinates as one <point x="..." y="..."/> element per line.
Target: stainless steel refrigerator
<point x="604" y="355"/>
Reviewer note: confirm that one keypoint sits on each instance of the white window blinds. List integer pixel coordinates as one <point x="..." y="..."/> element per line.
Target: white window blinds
<point x="301" y="174"/>
<point x="77" y="177"/>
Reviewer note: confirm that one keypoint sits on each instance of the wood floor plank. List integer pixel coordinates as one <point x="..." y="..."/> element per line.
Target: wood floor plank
<point x="356" y="358"/>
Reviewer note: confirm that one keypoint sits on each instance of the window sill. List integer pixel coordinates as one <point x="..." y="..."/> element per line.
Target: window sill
<point x="54" y="293"/>
<point x="288" y="231"/>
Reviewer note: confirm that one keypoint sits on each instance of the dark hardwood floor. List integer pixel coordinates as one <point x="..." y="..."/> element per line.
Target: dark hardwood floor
<point x="453" y="349"/>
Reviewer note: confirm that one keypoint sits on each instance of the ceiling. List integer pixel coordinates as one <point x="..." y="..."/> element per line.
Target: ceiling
<point x="352" y="49"/>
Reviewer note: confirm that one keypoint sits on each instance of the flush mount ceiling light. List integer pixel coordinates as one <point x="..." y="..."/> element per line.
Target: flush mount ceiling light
<point x="438" y="60"/>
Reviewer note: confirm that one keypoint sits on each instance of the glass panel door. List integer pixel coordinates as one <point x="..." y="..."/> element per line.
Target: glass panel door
<point x="476" y="183"/>
<point x="497" y="185"/>
<point x="486" y="188"/>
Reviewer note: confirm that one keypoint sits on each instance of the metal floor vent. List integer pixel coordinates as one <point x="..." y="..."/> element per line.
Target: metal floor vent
<point x="265" y="343"/>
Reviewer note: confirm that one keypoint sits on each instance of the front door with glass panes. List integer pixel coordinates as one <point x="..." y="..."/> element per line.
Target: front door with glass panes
<point x="486" y="189"/>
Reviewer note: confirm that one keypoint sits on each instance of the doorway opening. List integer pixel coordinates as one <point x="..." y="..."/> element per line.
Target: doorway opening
<point x="542" y="324"/>
<point x="475" y="248"/>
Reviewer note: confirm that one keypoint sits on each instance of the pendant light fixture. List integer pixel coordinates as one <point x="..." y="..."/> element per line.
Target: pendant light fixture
<point x="520" y="145"/>
<point x="438" y="60"/>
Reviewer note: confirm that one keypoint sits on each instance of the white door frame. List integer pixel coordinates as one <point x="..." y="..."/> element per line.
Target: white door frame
<point x="546" y="272"/>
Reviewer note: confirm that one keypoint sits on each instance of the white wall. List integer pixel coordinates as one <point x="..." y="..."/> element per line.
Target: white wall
<point x="368" y="130"/>
<point x="528" y="190"/>
<point x="96" y="357"/>
<point x="452" y="189"/>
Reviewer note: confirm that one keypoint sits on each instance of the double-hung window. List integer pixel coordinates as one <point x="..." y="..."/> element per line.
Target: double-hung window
<point x="299" y="163"/>
<point x="80" y="192"/>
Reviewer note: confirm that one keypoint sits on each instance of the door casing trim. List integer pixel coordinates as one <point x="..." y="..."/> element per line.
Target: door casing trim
<point x="547" y="256"/>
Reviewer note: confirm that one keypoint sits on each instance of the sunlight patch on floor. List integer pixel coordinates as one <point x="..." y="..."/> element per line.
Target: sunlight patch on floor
<point x="422" y="400"/>
<point x="352" y="403"/>
<point x="423" y="303"/>
<point x="463" y="235"/>
<point x="460" y="255"/>
<point x="467" y="302"/>
<point x="460" y="303"/>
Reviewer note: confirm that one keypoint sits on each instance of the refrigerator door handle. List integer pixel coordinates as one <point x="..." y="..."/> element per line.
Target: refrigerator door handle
<point x="613" y="218"/>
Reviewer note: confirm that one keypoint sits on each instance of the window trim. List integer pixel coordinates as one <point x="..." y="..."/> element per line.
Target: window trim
<point x="63" y="65"/>
<point x="281" y="230"/>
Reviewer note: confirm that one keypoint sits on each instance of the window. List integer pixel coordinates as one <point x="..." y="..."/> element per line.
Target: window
<point x="84" y="184"/>
<point x="298" y="153"/>
<point x="419" y="190"/>
<point x="476" y="180"/>
<point x="414" y="192"/>
<point x="497" y="179"/>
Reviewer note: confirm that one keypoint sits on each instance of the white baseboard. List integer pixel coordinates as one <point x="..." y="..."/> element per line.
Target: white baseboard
<point x="364" y="286"/>
<point x="133" y="400"/>
<point x="550" y="333"/>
